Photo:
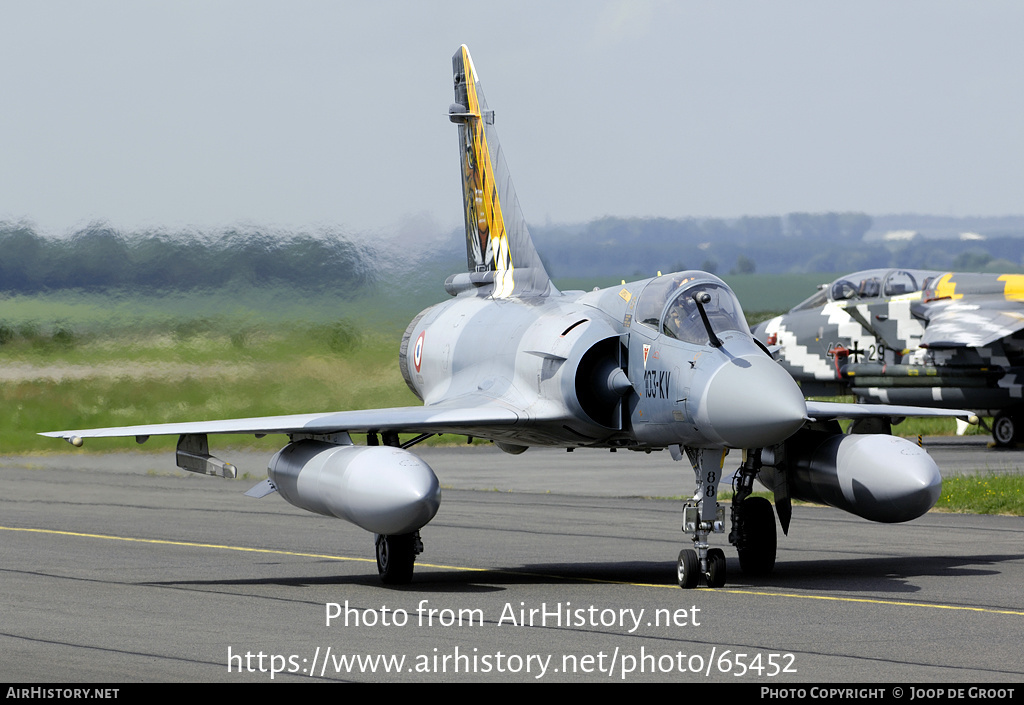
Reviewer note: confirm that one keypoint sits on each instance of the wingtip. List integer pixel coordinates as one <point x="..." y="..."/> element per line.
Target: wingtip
<point x="70" y="438"/>
<point x="74" y="440"/>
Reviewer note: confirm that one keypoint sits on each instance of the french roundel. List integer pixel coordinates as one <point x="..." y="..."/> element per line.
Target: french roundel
<point x="417" y="352"/>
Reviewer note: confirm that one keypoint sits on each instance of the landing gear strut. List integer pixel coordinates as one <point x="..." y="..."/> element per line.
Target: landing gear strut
<point x="703" y="516"/>
<point x="753" y="522"/>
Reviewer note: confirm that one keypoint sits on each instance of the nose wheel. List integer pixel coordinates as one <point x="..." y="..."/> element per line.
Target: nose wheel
<point x="688" y="569"/>
<point x="715" y="574"/>
<point x="689" y="572"/>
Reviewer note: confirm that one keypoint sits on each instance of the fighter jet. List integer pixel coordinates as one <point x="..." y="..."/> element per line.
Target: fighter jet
<point x="662" y="363"/>
<point x="907" y="336"/>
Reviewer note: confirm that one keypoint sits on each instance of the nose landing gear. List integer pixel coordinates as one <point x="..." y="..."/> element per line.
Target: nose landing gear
<point x="702" y="516"/>
<point x="753" y="523"/>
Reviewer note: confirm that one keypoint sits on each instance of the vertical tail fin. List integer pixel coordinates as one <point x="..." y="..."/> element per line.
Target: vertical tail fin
<point x="497" y="239"/>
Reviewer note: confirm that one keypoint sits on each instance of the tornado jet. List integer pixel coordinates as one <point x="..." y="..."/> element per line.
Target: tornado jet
<point x="666" y="363"/>
<point x="910" y="336"/>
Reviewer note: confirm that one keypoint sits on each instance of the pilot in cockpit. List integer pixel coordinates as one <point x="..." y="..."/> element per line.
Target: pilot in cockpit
<point x="870" y="288"/>
<point x="683" y="320"/>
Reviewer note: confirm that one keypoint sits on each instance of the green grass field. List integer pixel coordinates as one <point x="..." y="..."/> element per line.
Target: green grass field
<point x="84" y="361"/>
<point x="983" y="494"/>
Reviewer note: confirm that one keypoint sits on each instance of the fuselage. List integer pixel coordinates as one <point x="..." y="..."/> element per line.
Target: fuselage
<point x="628" y="366"/>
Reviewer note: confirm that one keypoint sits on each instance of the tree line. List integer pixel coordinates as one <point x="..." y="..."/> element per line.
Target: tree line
<point x="102" y="258"/>
<point x="795" y="243"/>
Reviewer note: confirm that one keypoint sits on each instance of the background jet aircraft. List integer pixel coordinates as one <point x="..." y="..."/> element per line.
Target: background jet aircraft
<point x="663" y="363"/>
<point x="906" y="336"/>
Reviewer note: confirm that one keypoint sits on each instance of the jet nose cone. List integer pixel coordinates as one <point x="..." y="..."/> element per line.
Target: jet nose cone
<point x="752" y="402"/>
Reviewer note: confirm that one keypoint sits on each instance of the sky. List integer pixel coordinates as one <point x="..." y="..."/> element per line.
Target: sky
<point x="330" y="114"/>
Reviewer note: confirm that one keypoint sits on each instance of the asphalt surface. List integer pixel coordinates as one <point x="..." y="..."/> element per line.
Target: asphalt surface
<point x="120" y="568"/>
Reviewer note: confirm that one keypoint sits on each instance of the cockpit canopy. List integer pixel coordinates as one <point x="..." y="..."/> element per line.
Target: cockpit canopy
<point x="667" y="304"/>
<point x="871" y="284"/>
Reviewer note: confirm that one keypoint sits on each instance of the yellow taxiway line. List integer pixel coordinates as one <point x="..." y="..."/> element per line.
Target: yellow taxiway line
<point x="299" y="554"/>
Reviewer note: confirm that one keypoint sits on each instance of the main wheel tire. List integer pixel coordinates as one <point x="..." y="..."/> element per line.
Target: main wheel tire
<point x="758" y="541"/>
<point x="1005" y="429"/>
<point x="716" y="568"/>
<point x="688" y="569"/>
<point x="395" y="558"/>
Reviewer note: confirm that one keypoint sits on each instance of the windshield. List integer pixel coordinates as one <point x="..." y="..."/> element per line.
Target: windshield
<point x="683" y="320"/>
<point x="668" y="305"/>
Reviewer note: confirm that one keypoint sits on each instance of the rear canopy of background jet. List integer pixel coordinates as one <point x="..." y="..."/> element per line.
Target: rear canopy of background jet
<point x="871" y="284"/>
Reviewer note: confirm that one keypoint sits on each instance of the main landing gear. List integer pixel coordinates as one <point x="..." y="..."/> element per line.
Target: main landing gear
<point x="753" y="523"/>
<point x="396" y="554"/>
<point x="1008" y="428"/>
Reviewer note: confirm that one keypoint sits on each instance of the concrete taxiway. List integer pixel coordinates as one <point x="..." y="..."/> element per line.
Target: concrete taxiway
<point x="547" y="566"/>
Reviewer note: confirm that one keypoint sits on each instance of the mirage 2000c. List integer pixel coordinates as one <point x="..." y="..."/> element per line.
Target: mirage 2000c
<point x="662" y="363"/>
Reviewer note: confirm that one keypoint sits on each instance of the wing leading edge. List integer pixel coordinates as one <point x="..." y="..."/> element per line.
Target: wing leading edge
<point x="827" y="410"/>
<point x="445" y="418"/>
<point x="440" y="418"/>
